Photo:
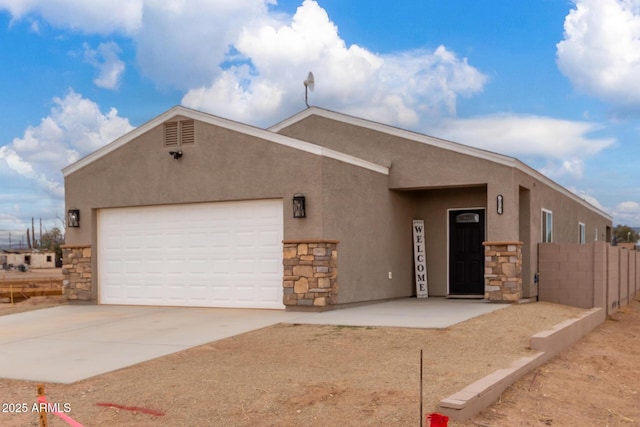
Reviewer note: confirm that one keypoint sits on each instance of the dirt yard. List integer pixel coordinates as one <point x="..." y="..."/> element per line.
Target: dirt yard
<point x="300" y="375"/>
<point x="37" y="282"/>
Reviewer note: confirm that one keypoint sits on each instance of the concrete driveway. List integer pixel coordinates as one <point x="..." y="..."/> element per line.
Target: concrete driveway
<point x="69" y="343"/>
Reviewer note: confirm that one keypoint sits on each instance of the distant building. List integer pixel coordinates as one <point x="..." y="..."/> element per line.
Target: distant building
<point x="32" y="258"/>
<point x="628" y="245"/>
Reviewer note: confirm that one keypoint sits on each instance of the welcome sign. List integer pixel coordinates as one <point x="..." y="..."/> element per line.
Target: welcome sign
<point x="420" y="258"/>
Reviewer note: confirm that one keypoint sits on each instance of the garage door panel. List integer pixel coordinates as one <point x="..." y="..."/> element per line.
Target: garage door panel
<point x="216" y="254"/>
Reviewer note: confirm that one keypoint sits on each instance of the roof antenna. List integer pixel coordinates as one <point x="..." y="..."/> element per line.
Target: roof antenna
<point x="308" y="85"/>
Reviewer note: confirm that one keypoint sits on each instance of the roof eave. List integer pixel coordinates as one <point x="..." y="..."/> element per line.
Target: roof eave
<point x="437" y="142"/>
<point x="228" y="124"/>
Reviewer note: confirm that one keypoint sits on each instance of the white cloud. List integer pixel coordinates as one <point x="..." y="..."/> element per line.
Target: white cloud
<point x="74" y="128"/>
<point x="565" y="144"/>
<point x="238" y="59"/>
<point x="600" y="52"/>
<point x="95" y="16"/>
<point x="595" y="202"/>
<point x="8" y="222"/>
<point x="628" y="207"/>
<point x="242" y="59"/>
<point x="588" y="197"/>
<point x="105" y="59"/>
<point x="557" y="168"/>
<point x="627" y="213"/>
<point x="182" y="43"/>
<point x="270" y="60"/>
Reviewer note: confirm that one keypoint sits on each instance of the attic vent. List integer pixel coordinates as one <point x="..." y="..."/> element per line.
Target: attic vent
<point x="187" y="132"/>
<point x="171" y="134"/>
<point x="179" y="133"/>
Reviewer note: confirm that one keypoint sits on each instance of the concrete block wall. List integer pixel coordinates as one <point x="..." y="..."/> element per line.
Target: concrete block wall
<point x="613" y="279"/>
<point x="633" y="259"/>
<point x="475" y="397"/>
<point x="564" y="272"/>
<point x="600" y="268"/>
<point x="624" y="277"/>
<point x="635" y="289"/>
<point x="588" y="275"/>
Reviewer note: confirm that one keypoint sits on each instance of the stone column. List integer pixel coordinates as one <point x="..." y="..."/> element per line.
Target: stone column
<point x="503" y="271"/>
<point x="310" y="274"/>
<point x="76" y="269"/>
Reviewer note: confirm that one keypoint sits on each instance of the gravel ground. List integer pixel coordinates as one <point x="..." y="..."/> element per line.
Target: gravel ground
<point x="292" y="375"/>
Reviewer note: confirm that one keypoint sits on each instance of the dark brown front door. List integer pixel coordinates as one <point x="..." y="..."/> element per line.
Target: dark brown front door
<point x="466" y="253"/>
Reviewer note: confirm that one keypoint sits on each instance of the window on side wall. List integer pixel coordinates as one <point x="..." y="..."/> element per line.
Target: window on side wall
<point x="582" y="230"/>
<point x="547" y="226"/>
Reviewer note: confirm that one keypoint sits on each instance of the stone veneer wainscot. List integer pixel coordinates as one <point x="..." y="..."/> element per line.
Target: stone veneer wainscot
<point x="503" y="271"/>
<point x="310" y="274"/>
<point x="76" y="268"/>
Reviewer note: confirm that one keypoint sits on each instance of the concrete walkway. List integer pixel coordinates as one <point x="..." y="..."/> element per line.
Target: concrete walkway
<point x="405" y="313"/>
<point x="69" y="343"/>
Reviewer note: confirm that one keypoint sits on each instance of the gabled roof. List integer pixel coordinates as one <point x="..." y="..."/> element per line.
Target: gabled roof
<point x="395" y="131"/>
<point x="271" y="135"/>
<point x="435" y="142"/>
<point x="227" y="124"/>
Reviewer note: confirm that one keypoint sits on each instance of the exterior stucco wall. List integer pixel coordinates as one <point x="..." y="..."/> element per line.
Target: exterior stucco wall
<point x="416" y="166"/>
<point x="413" y="163"/>
<point x="222" y="165"/>
<point x="373" y="226"/>
<point x="344" y="202"/>
<point x="367" y="212"/>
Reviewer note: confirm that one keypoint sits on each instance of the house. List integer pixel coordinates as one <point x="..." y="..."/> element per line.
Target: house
<point x="628" y="245"/>
<point x="28" y="257"/>
<point x="313" y="213"/>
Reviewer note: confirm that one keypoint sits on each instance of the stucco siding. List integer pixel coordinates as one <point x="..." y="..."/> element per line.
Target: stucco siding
<point x="413" y="164"/>
<point x="222" y="165"/>
<point x="417" y="166"/>
<point x="364" y="183"/>
<point x="373" y="226"/>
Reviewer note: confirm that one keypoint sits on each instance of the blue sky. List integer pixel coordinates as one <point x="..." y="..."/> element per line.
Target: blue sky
<point x="551" y="82"/>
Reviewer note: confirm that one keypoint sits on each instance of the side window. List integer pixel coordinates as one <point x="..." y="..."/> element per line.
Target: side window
<point x="582" y="230"/>
<point x="547" y="226"/>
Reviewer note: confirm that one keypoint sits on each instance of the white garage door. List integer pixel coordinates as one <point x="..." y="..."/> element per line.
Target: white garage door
<point x="226" y="254"/>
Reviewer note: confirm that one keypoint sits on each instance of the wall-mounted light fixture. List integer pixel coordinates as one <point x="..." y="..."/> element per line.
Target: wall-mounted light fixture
<point x="73" y="218"/>
<point x="298" y="206"/>
<point x="176" y="154"/>
<point x="500" y="204"/>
